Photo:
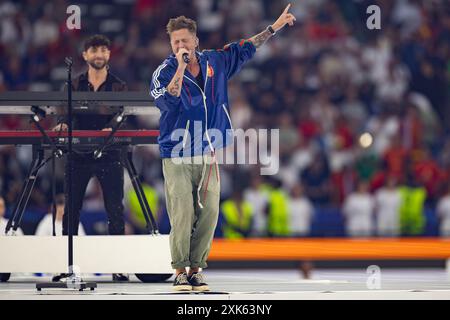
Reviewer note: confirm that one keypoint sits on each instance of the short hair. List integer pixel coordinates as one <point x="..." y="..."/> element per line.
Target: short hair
<point x="181" y="22"/>
<point x="97" y="41"/>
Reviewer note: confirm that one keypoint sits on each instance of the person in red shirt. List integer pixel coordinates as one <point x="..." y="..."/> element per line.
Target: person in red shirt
<point x="395" y="158"/>
<point x="429" y="174"/>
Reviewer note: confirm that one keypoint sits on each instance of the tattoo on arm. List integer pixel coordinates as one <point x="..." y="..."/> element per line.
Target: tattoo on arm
<point x="175" y="87"/>
<point x="261" y="38"/>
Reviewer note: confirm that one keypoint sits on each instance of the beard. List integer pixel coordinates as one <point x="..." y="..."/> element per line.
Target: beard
<point x="98" y="64"/>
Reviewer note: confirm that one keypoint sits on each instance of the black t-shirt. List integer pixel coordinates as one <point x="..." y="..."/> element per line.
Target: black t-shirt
<point x="94" y="121"/>
<point x="199" y="79"/>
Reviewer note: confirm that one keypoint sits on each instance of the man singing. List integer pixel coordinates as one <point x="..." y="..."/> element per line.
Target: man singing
<point x="107" y="168"/>
<point x="190" y="89"/>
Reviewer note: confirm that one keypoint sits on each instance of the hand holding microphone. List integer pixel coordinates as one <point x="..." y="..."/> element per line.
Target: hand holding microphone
<point x="186" y="57"/>
<point x="183" y="57"/>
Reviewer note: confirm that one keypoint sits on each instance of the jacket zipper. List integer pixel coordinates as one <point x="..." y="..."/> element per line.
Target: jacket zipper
<point x="204" y="104"/>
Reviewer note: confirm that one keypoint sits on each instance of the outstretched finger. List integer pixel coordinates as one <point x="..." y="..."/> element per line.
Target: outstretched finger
<point x="287" y="8"/>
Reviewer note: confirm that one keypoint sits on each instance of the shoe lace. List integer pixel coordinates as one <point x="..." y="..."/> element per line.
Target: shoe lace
<point x="182" y="278"/>
<point x="198" y="277"/>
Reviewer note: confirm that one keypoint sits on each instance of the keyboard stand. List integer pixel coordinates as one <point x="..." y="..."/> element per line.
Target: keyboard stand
<point x="127" y="162"/>
<point x="37" y="163"/>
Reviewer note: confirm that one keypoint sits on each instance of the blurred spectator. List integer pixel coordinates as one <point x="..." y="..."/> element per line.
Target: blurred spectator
<point x="45" y="226"/>
<point x="316" y="180"/>
<point x="392" y="88"/>
<point x="412" y="219"/>
<point x="353" y="109"/>
<point x="300" y="159"/>
<point x="45" y="30"/>
<point x="428" y="173"/>
<point x="358" y="211"/>
<point x="344" y="183"/>
<point x="4" y="221"/>
<point x="411" y="129"/>
<point x="395" y="158"/>
<point x="341" y="152"/>
<point x="301" y="213"/>
<point x="238" y="216"/>
<point x="324" y="112"/>
<point x="258" y="199"/>
<point x="387" y="209"/>
<point x="307" y="126"/>
<point x="278" y="209"/>
<point x="384" y="127"/>
<point x="366" y="164"/>
<point x="289" y="138"/>
<point x="443" y="213"/>
<point x="14" y="75"/>
<point x="242" y="113"/>
<point x="407" y="15"/>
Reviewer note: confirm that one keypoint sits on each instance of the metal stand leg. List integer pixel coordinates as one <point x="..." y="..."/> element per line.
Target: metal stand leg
<point x="27" y="188"/>
<point x="127" y="161"/>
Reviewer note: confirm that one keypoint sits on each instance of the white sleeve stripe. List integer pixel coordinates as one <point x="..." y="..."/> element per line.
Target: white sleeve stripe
<point x="157" y="91"/>
<point x="156" y="74"/>
<point x="156" y="94"/>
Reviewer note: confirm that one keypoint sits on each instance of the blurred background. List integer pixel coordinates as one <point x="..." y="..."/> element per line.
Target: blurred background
<point x="364" y="115"/>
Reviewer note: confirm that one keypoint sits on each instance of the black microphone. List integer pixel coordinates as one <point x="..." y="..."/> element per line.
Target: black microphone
<point x="68" y="61"/>
<point x="186" y="57"/>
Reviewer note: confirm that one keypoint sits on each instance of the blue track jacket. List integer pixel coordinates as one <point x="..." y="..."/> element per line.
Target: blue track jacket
<point x="199" y="120"/>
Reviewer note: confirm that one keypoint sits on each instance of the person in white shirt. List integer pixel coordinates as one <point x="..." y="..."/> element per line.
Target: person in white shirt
<point x="301" y="212"/>
<point x="387" y="203"/>
<point x="45" y="227"/>
<point x="357" y="210"/>
<point x="4" y="221"/>
<point x="443" y="213"/>
<point x="259" y="201"/>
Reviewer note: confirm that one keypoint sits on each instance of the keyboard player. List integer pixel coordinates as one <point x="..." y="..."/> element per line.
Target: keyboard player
<point x="107" y="169"/>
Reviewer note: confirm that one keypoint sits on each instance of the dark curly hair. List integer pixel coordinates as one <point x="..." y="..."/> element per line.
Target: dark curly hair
<point x="97" y="41"/>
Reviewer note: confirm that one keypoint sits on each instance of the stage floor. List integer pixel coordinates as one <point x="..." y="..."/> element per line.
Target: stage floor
<point x="258" y="284"/>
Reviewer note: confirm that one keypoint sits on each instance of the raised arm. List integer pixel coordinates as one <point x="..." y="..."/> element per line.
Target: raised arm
<point x="285" y="18"/>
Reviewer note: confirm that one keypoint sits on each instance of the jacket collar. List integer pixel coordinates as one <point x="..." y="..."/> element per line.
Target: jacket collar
<point x="202" y="60"/>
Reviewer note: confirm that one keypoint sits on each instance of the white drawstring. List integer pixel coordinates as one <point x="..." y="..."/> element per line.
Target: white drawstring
<point x="214" y="162"/>
<point x="217" y="170"/>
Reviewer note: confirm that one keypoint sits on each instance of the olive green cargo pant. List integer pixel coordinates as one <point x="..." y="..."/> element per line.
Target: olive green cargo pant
<point x="192" y="227"/>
